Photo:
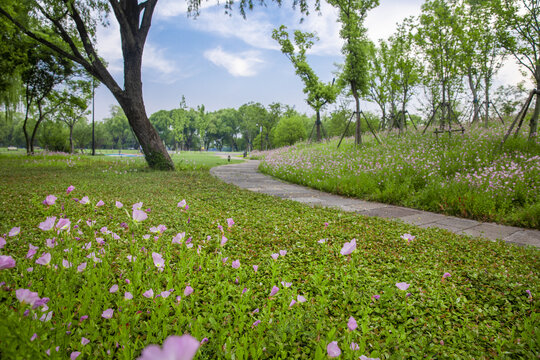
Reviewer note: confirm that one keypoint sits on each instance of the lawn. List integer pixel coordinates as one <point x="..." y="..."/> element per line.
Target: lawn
<point x="135" y="264"/>
<point x="462" y="175"/>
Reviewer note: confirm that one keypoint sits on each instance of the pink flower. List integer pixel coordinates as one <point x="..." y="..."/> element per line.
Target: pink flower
<point x="354" y="346"/>
<point x="274" y="291"/>
<point x="2" y="242"/>
<point x="74" y="355"/>
<point x="113" y="289"/>
<point x="49" y="200"/>
<point x="188" y="290"/>
<point x="333" y="350"/>
<point x="158" y="260"/>
<point x="445" y="275"/>
<point x="275" y="256"/>
<point x="402" y="286"/>
<point x="182" y="204"/>
<point x="26" y="296"/>
<point x="255" y="268"/>
<point x="63" y="224"/>
<point x="128" y="295"/>
<point x="282" y="252"/>
<point x="31" y="251"/>
<point x="165" y="294"/>
<point x="107" y="314"/>
<point x="51" y="243"/>
<point x="148" y="294"/>
<point x="301" y="299"/>
<point x="139" y="215"/>
<point x="66" y="263"/>
<point x="14" y="231"/>
<point x="45" y="259"/>
<point x="100" y="203"/>
<point x="48" y="224"/>
<point x="351" y="324"/>
<point x="81" y="267"/>
<point x="174" y="348"/>
<point x="84" y="200"/>
<point x="363" y="357"/>
<point x="230" y="222"/>
<point x="137" y="206"/>
<point x="255" y="323"/>
<point x="119" y="204"/>
<point x="224" y="260"/>
<point x="6" y="262"/>
<point x="348" y="247"/>
<point x="376" y="297"/>
<point x="70" y="189"/>
<point x="286" y="284"/>
<point x="84" y="341"/>
<point x="34" y="337"/>
<point x="292" y="303"/>
<point x="223" y="240"/>
<point x="322" y="241"/>
<point x="408" y="237"/>
<point x="236" y="264"/>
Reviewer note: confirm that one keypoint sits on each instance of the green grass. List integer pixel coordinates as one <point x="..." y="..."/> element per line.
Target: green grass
<point x="481" y="311"/>
<point x="465" y="176"/>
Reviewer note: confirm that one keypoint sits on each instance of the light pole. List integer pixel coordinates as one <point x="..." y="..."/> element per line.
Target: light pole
<point x="261" y="135"/>
<point x="93" y="119"/>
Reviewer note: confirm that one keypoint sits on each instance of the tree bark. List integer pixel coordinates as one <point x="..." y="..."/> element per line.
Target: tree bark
<point x="533" y="133"/>
<point x="318" y="126"/>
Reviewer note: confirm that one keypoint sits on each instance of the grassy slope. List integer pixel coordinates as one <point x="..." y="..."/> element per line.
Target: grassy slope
<point x="481" y="311"/>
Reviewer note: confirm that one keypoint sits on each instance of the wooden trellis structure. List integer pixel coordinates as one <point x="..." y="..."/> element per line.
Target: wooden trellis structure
<point x="448" y="117"/>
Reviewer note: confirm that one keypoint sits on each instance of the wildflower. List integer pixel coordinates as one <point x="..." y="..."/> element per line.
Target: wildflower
<point x="14" y="231"/>
<point x="34" y="337"/>
<point x="255" y="323"/>
<point x="107" y="314"/>
<point x="244" y="291"/>
<point x="188" y="290"/>
<point x="31" y="251"/>
<point x="137" y="206"/>
<point x="292" y="303"/>
<point x="322" y="241"/>
<point x="363" y="357"/>
<point x="348" y="247"/>
<point x="376" y="297"/>
<point x="204" y="341"/>
<point x="2" y="242"/>
<point x="333" y="350"/>
<point x="84" y="341"/>
<point x="48" y="224"/>
<point x="255" y="268"/>
<point x="174" y="348"/>
<point x="402" y="286"/>
<point x="81" y="267"/>
<point x="118" y="204"/>
<point x="84" y="200"/>
<point x="70" y="189"/>
<point x="113" y="289"/>
<point x="230" y="222"/>
<point x="139" y="215"/>
<point x="275" y="256"/>
<point x="66" y="263"/>
<point x="445" y="275"/>
<point x="49" y="200"/>
<point x="274" y="291"/>
<point x="301" y="299"/>
<point x="178" y="238"/>
<point x="148" y="294"/>
<point x="408" y="237"/>
<point x="282" y="252"/>
<point x="165" y="294"/>
<point x="6" y="262"/>
<point x="100" y="203"/>
<point x="158" y="260"/>
<point x="223" y="240"/>
<point x="45" y="259"/>
<point x="128" y="295"/>
<point x="74" y="355"/>
<point x="51" y="243"/>
<point x="63" y="224"/>
<point x="25" y="296"/>
<point x="236" y="264"/>
<point x="182" y="204"/>
<point x="351" y="324"/>
<point x="354" y="346"/>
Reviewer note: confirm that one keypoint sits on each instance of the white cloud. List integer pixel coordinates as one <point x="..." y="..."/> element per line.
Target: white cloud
<point x="381" y="21"/>
<point x="173" y="8"/>
<point x="109" y="46"/>
<point x="242" y="64"/>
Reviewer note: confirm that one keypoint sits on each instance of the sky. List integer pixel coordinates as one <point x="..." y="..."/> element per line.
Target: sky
<point x="220" y="61"/>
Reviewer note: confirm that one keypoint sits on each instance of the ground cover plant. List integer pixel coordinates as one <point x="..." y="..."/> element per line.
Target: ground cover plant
<point x="458" y="175"/>
<point x="100" y="258"/>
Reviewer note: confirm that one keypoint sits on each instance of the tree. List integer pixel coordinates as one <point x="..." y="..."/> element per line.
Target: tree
<point x="352" y="14"/>
<point x="43" y="73"/>
<point x="74" y="106"/>
<point x="289" y="130"/>
<point x="519" y="32"/>
<point x="118" y="127"/>
<point x="380" y="70"/>
<point x="252" y="115"/>
<point x="319" y="94"/>
<point x="68" y="27"/>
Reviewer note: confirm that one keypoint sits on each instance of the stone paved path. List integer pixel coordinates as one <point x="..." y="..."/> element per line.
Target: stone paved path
<point x="245" y="175"/>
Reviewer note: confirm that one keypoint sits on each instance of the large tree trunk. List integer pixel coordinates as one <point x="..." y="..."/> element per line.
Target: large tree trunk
<point x="318" y="126"/>
<point x="358" y="132"/>
<point x="71" y="138"/>
<point x="486" y="90"/>
<point x="534" y="120"/>
<point x="476" y="105"/>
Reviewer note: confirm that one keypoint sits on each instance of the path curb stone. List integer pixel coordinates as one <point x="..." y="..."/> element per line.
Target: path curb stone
<point x="245" y="175"/>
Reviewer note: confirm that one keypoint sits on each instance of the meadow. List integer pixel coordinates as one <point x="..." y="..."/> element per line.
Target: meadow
<point x="462" y="175"/>
<point x="101" y="257"/>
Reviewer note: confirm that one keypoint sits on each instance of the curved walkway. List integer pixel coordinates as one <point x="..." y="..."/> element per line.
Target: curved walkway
<point x="245" y="175"/>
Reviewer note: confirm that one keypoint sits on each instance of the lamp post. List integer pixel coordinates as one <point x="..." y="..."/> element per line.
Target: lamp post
<point x="261" y="135"/>
<point x="93" y="119"/>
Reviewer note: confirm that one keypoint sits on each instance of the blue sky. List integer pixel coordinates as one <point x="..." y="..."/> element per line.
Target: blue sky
<point x="226" y="61"/>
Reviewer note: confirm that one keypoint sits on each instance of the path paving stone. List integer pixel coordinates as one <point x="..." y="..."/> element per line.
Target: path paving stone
<point x="245" y="175"/>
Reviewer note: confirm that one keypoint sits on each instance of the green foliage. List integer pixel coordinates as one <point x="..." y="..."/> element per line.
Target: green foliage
<point x="456" y="317"/>
<point x="289" y="130"/>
